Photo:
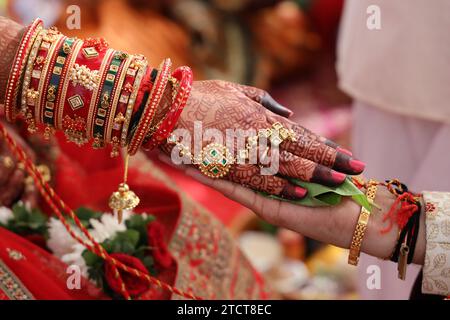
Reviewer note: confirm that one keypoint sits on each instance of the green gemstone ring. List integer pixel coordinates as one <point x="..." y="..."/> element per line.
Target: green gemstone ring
<point x="215" y="160"/>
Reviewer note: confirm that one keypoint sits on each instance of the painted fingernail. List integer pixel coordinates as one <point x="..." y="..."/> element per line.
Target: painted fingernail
<point x="294" y="192"/>
<point x="343" y="150"/>
<point x="357" y="166"/>
<point x="300" y="192"/>
<point x="345" y="163"/>
<point x="338" y="177"/>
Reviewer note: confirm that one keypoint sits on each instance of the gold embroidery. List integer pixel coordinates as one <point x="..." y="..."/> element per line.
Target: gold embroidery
<point x="15" y="255"/>
<point x="12" y="286"/>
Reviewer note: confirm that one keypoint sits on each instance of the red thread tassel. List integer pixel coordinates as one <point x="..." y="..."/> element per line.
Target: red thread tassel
<point x="402" y="215"/>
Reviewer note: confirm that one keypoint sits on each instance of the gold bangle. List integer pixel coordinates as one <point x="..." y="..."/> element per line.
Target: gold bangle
<point x="361" y="226"/>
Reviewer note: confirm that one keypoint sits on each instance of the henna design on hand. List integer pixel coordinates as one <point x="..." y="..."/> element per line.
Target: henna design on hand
<point x="222" y="105"/>
<point x="10" y="35"/>
<point x="307" y="170"/>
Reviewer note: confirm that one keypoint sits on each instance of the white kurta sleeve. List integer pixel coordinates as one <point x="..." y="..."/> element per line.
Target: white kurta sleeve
<point x="436" y="271"/>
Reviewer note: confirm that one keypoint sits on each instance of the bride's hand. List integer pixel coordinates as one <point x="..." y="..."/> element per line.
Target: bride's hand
<point x="223" y="105"/>
<point x="334" y="225"/>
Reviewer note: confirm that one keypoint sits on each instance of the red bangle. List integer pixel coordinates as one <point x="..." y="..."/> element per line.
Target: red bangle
<point x="152" y="103"/>
<point x="103" y="64"/>
<point x="45" y="91"/>
<point x="50" y="41"/>
<point x="27" y="95"/>
<point x="124" y="97"/>
<point x="185" y="77"/>
<point x="13" y="84"/>
<point x="141" y="65"/>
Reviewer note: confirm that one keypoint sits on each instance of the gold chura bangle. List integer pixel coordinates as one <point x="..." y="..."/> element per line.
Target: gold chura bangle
<point x="361" y="226"/>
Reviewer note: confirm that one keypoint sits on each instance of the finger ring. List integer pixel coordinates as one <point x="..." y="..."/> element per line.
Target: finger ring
<point x="215" y="160"/>
<point x="283" y="133"/>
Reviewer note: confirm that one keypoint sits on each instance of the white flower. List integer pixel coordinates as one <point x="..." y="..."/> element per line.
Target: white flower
<point x="75" y="258"/>
<point x="60" y="242"/>
<point x="6" y="214"/>
<point x="107" y="226"/>
<point x="69" y="250"/>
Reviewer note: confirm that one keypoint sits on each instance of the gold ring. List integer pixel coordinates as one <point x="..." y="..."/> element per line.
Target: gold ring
<point x="215" y="160"/>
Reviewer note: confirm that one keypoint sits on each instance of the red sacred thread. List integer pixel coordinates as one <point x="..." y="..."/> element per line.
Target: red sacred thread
<point x="402" y="215"/>
<point x="50" y="196"/>
<point x="406" y="200"/>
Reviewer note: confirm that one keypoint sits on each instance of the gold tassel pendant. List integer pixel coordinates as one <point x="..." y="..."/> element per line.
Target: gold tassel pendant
<point x="123" y="198"/>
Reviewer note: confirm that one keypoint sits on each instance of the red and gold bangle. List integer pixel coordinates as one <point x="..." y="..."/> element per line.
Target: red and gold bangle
<point x="116" y="96"/>
<point x="185" y="77"/>
<point x="47" y="91"/>
<point x="58" y="74"/>
<point x="102" y="71"/>
<point x="64" y="87"/>
<point x="40" y="68"/>
<point x="28" y="95"/>
<point x="142" y="68"/>
<point x="102" y="112"/>
<point x="119" y="116"/>
<point x="86" y="77"/>
<point x="152" y="103"/>
<point x="16" y="73"/>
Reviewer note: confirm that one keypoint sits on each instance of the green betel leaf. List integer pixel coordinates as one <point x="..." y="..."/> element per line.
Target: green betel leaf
<point x="319" y="195"/>
<point x="90" y="258"/>
<point x="86" y="213"/>
<point x="131" y="236"/>
<point x="20" y="212"/>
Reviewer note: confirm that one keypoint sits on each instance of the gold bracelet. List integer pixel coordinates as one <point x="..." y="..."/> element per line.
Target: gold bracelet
<point x="361" y="226"/>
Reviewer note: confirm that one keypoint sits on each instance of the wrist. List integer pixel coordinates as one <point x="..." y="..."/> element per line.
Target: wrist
<point x="10" y="35"/>
<point x="419" y="253"/>
<point x="377" y="243"/>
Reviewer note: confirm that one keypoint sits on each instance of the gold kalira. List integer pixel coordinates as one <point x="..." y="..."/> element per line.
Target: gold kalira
<point x="84" y="76"/>
<point x="123" y="199"/>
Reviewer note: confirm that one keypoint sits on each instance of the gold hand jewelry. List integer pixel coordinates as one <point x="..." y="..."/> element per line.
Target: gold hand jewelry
<point x="361" y="226"/>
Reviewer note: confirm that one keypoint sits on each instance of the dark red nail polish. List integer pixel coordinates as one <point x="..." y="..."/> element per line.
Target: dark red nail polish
<point x="357" y="166"/>
<point x="338" y="176"/>
<point x="343" y="150"/>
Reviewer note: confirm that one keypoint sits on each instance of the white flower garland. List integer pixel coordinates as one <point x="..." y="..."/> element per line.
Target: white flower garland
<point x="6" y="214"/>
<point x="69" y="250"/>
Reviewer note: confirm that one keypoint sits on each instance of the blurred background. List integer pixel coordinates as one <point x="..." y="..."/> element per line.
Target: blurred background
<point x="284" y="47"/>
